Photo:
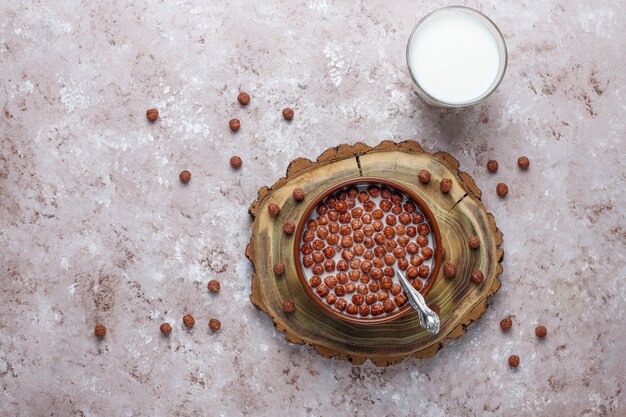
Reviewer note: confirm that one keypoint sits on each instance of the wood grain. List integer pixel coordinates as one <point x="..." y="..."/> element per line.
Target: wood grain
<point x="459" y="213"/>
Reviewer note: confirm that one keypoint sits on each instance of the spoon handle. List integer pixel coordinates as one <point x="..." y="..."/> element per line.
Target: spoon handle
<point x="429" y="320"/>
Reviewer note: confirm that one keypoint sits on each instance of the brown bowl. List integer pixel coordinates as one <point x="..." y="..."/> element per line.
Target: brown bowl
<point x="437" y="259"/>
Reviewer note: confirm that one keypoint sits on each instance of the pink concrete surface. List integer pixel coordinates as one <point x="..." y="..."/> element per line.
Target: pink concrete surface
<point x="95" y="226"/>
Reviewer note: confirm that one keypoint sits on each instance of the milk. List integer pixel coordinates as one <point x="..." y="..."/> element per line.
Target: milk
<point x="456" y="56"/>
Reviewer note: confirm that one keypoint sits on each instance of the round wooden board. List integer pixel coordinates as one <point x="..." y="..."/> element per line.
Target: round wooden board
<point x="459" y="213"/>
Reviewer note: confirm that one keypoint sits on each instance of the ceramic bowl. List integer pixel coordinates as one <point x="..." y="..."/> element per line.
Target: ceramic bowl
<point x="362" y="183"/>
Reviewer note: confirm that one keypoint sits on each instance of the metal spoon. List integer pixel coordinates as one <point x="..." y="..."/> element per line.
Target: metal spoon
<point x="429" y="320"/>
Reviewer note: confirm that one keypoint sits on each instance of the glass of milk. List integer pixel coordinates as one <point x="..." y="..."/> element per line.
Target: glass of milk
<point x="456" y="57"/>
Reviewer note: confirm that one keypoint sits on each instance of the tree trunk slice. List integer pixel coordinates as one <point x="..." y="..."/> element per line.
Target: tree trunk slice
<point x="460" y="214"/>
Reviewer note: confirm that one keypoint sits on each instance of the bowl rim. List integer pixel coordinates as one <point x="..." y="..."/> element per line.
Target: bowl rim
<point x="373" y="181"/>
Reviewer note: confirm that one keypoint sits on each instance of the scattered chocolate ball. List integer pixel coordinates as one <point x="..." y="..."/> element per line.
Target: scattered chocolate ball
<point x="492" y="165"/>
<point x="214" y="324"/>
<point x="523" y="162"/>
<point x="298" y="194"/>
<point x="279" y="268"/>
<point x="445" y="185"/>
<point x="288" y="113"/>
<point x="236" y="162"/>
<point x="513" y="361"/>
<point x="234" y="124"/>
<point x="184" y="176"/>
<point x="477" y="276"/>
<point x="214" y="285"/>
<point x="506" y="323"/>
<point x="449" y="270"/>
<point x="166" y="328"/>
<point x="474" y="242"/>
<point x="274" y="209"/>
<point x="243" y="98"/>
<point x="424" y="176"/>
<point x="189" y="321"/>
<point x="502" y="190"/>
<point x="289" y="228"/>
<point x="541" y="331"/>
<point x="100" y="330"/>
<point x="289" y="306"/>
<point x="152" y="114"/>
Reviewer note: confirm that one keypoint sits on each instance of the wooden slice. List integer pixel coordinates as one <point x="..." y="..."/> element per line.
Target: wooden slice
<point x="460" y="214"/>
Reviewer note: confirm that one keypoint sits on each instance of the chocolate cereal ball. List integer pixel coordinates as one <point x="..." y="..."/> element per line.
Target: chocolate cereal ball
<point x="152" y="114"/>
<point x="279" y="268"/>
<point x="298" y="194"/>
<point x="234" y="124"/>
<point x="100" y="331"/>
<point x="513" y="361"/>
<point x="502" y="190"/>
<point x="474" y="242"/>
<point x="288" y="113"/>
<point x="214" y="285"/>
<point x="435" y="308"/>
<point x="449" y="270"/>
<point x="235" y="162"/>
<point x="289" y="228"/>
<point x="215" y="324"/>
<point x="273" y="209"/>
<point x="506" y="323"/>
<point x="477" y="276"/>
<point x="523" y="162"/>
<point x="352" y="309"/>
<point x="388" y="306"/>
<point x="165" y="328"/>
<point x="188" y="321"/>
<point x="445" y="185"/>
<point x="243" y="98"/>
<point x="289" y="306"/>
<point x="400" y="300"/>
<point x="424" y="176"/>
<point x="184" y="176"/>
<point x="541" y="331"/>
<point x="492" y="165"/>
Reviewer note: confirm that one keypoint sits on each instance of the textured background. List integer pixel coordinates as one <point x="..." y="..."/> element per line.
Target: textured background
<point x="95" y="226"/>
